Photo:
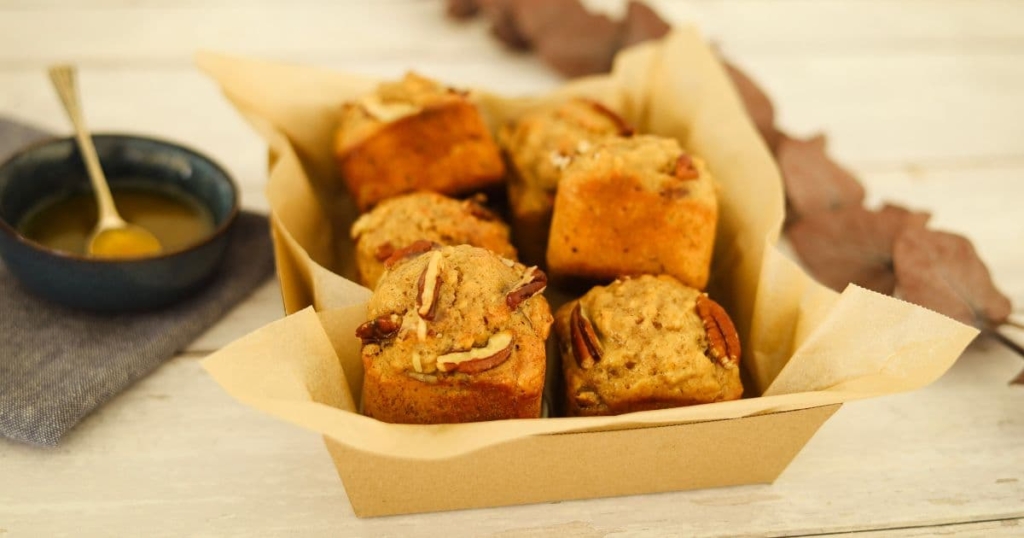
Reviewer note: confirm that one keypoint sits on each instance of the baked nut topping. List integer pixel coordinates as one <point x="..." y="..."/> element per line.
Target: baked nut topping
<point x="423" y="216"/>
<point x="616" y="202"/>
<point x="442" y="345"/>
<point x="625" y="129"/>
<point x="386" y="111"/>
<point x="723" y="340"/>
<point x="685" y="169"/>
<point x="475" y="206"/>
<point x="379" y="330"/>
<point x="640" y="343"/>
<point x="384" y="251"/>
<point x="497" y="351"/>
<point x="534" y="281"/>
<point x="429" y="287"/>
<point x="585" y="345"/>
<point x="415" y="249"/>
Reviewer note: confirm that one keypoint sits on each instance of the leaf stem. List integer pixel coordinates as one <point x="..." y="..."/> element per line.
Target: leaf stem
<point x="1006" y="341"/>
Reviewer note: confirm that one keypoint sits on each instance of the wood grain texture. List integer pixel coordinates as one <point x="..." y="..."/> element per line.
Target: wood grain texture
<point x="984" y="529"/>
<point x="922" y="100"/>
<point x="176" y="456"/>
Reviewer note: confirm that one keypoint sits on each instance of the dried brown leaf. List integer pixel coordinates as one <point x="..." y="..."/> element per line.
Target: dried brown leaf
<point x="536" y="18"/>
<point x="504" y="26"/>
<point x="565" y="35"/>
<point x="759" y="106"/>
<point x="852" y="245"/>
<point x="462" y="9"/>
<point x="582" y="44"/>
<point x="813" y="181"/>
<point x="942" y="271"/>
<point x="1010" y="343"/>
<point x="642" y="24"/>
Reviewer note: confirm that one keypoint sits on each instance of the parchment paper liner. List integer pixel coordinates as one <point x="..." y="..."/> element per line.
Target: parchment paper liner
<point x="804" y="345"/>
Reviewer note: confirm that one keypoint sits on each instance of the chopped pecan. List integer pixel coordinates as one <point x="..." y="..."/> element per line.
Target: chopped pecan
<point x="379" y="330"/>
<point x="625" y="129"/>
<point x="685" y="169"/>
<point x="497" y="351"/>
<point x="674" y="193"/>
<point x="384" y="251"/>
<point x="585" y="345"/>
<point x="559" y="160"/>
<point x="430" y="379"/>
<point x="587" y="398"/>
<point x="475" y="206"/>
<point x="423" y="365"/>
<point x="723" y="340"/>
<point x="533" y="282"/>
<point x="429" y="287"/>
<point x="409" y="251"/>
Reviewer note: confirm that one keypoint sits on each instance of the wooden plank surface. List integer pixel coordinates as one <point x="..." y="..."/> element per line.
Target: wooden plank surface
<point x="922" y="100"/>
<point x="168" y="30"/>
<point x="176" y="456"/>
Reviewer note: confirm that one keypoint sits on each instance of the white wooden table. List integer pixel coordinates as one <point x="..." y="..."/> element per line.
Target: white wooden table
<point x="924" y="99"/>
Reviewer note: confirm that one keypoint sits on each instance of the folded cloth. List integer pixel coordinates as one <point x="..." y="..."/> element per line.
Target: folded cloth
<point x="57" y="364"/>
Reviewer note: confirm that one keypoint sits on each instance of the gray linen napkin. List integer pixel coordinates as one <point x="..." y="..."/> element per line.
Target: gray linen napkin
<point x="57" y="364"/>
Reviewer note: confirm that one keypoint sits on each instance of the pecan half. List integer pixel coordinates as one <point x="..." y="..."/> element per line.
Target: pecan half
<point x="685" y="169"/>
<point x="429" y="287"/>
<point x="625" y="129"/>
<point x="723" y="340"/>
<point x="379" y="330"/>
<point x="585" y="345"/>
<point x="410" y="251"/>
<point x="478" y="359"/>
<point x="533" y="282"/>
<point x="384" y="251"/>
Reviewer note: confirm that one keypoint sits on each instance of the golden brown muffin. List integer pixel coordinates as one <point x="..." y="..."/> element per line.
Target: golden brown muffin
<point x="537" y="147"/>
<point x="455" y="334"/>
<point x="646" y="343"/>
<point x="636" y="205"/>
<point x="398" y="222"/>
<point x="414" y="134"/>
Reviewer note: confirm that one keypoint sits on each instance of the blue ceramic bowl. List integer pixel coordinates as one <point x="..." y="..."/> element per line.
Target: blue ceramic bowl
<point x="55" y="167"/>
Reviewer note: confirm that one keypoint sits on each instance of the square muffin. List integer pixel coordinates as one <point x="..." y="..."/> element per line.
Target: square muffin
<point x="631" y="206"/>
<point x="415" y="134"/>
<point x="398" y="222"/>
<point x="455" y="334"/>
<point x="646" y="343"/>
<point x="537" y="147"/>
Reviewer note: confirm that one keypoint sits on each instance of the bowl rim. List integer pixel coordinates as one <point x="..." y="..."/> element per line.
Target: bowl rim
<point x="217" y="232"/>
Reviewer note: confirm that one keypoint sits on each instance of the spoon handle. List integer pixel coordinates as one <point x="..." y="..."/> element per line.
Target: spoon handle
<point x="63" y="78"/>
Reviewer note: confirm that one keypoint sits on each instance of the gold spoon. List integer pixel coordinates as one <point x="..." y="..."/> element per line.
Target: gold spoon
<point x="112" y="237"/>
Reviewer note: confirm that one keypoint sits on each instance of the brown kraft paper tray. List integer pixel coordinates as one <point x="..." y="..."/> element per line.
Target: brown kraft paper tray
<point x="807" y="349"/>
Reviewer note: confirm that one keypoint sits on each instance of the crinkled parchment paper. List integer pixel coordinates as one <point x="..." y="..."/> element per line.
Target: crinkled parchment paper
<point x="804" y="345"/>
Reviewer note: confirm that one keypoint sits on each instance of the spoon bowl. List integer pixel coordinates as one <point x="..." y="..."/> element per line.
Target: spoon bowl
<point x="128" y="241"/>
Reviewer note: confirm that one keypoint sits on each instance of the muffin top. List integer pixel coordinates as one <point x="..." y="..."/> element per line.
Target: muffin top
<point x="390" y="102"/>
<point x="542" y="143"/>
<point x="457" y="311"/>
<point x="398" y="222"/>
<point x="649" y="337"/>
<point x="656" y="164"/>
